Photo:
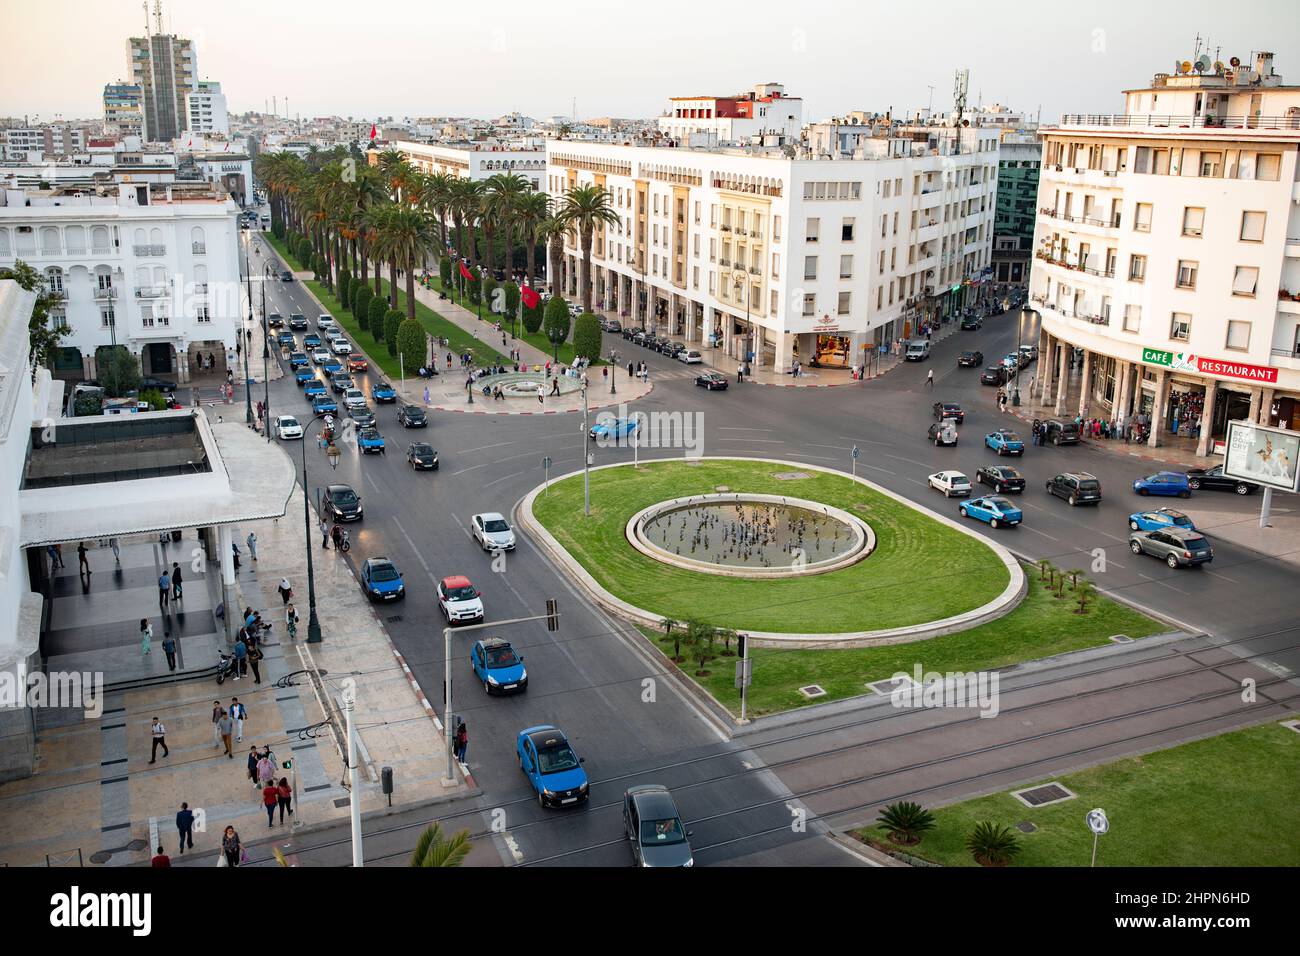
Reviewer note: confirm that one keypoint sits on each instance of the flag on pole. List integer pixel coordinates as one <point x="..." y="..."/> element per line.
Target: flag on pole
<point x="374" y="132"/>
<point x="530" y="297"/>
<point x="465" y="273"/>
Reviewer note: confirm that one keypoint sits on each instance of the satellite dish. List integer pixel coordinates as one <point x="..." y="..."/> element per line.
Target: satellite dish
<point x="1235" y="62"/>
<point x="1218" y="66"/>
<point x="1202" y="63"/>
<point x="1185" y="66"/>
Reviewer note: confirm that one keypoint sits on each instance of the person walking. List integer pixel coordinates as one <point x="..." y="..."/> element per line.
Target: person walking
<point x="231" y="848"/>
<point x="225" y="727"/>
<point x="629" y="369"/>
<point x="251" y="541"/>
<point x="266" y="769"/>
<point x="238" y="714"/>
<point x="160" y="860"/>
<point x="164" y="591"/>
<point x="555" y="386"/>
<point x="82" y="563"/>
<point x="929" y="379"/>
<point x="284" y="797"/>
<point x="286" y="592"/>
<point x="235" y="548"/>
<point x="185" y="827"/>
<point x="241" y="658"/>
<point x="146" y="636"/>
<point x="462" y="741"/>
<point x="217" y="713"/>
<point x="291" y="622"/>
<point x="324" y="533"/>
<point x="177" y="590"/>
<point x="255" y="655"/>
<point x="270" y="800"/>
<point x="169" y="648"/>
<point x="117" y="549"/>
<point x="253" y="758"/>
<point x="159" y="740"/>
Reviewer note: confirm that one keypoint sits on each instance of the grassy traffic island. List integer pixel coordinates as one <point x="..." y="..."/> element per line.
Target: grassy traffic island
<point x="1224" y="801"/>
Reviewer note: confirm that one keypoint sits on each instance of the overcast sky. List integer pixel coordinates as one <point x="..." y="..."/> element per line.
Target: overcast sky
<point x="421" y="58"/>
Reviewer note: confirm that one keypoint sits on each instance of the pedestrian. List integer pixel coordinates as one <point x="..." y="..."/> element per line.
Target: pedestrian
<point x="270" y="800"/>
<point x="238" y="714"/>
<point x="53" y="552"/>
<point x="286" y="592"/>
<point x="462" y="741"/>
<point x="82" y="563"/>
<point x="164" y="591"/>
<point x="291" y="622"/>
<point x="426" y="395"/>
<point x="324" y="533"/>
<point x="253" y="758"/>
<point x="217" y="713"/>
<point x="159" y="740"/>
<point x="177" y="591"/>
<point x="241" y="658"/>
<point x="555" y="386"/>
<point x="645" y="374"/>
<point x="169" y="648"/>
<point x="226" y="727"/>
<point x="254" y="656"/>
<point x="629" y="369"/>
<point x="929" y="378"/>
<point x="235" y="548"/>
<point x="146" y="636"/>
<point x="541" y="395"/>
<point x="232" y="850"/>
<point x="117" y="549"/>
<point x="266" y="768"/>
<point x="284" y="795"/>
<point x="185" y="827"/>
<point x="251" y="541"/>
<point x="160" y="860"/>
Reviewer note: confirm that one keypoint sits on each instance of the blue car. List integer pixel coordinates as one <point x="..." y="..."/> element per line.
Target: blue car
<point x="370" y="441"/>
<point x="331" y="366"/>
<point x="284" y="338"/>
<point x="311" y="341"/>
<point x="994" y="511"/>
<point x="298" y="360"/>
<point x="1005" y="442"/>
<point x="497" y="665"/>
<point x="1159" y="520"/>
<point x="613" y="429"/>
<point x="323" y="403"/>
<point x="1168" y="483"/>
<point x="303" y="376"/>
<point x="314" y="388"/>
<point x="383" y="392"/>
<point x="551" y="766"/>
<point x="382" y="580"/>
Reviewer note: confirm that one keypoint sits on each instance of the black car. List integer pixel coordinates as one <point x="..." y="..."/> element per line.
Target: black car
<point x="642" y="337"/>
<point x="286" y="276"/>
<point x="1213" y="479"/>
<point x="971" y="358"/>
<point x="161" y="384"/>
<point x="941" y="433"/>
<point x="412" y="416"/>
<point x="1076" y="487"/>
<point x="341" y="503"/>
<point x="422" y="457"/>
<point x="340" y="382"/>
<point x="613" y="325"/>
<point x="631" y="331"/>
<point x="1062" y="433"/>
<point x="994" y="375"/>
<point x="944" y="410"/>
<point x="363" y="416"/>
<point x="673" y="349"/>
<point x="275" y="321"/>
<point x="711" y="380"/>
<point x="972" y="323"/>
<point x="298" y="323"/>
<point x="1001" y="478"/>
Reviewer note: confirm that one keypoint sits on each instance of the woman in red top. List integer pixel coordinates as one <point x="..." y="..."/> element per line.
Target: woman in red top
<point x="270" y="799"/>
<point x="285" y="793"/>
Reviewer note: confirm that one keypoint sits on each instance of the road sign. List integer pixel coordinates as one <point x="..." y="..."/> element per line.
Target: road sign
<point x="856" y="451"/>
<point x="744" y="673"/>
<point x="1097" y="821"/>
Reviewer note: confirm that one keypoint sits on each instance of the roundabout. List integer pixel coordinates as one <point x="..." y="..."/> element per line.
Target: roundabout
<point x="798" y="558"/>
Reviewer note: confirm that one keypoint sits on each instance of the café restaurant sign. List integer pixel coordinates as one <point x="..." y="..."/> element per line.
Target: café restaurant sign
<point x="1182" y="362"/>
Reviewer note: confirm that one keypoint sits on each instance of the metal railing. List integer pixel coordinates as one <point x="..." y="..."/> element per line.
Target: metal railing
<point x="198" y="248"/>
<point x="149" y="250"/>
<point x="1189" y="122"/>
<point x="755" y="271"/>
<point x="150" y="292"/>
<point x="1288" y="353"/>
<point x="1084" y="220"/>
<point x="107" y="292"/>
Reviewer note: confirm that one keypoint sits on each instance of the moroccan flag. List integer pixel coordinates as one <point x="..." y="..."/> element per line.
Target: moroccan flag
<point x="465" y="273"/>
<point x="374" y="132"/>
<point x="530" y="297"/>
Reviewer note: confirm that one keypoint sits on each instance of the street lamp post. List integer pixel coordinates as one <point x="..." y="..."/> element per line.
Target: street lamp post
<point x="613" y="371"/>
<point x="586" y="454"/>
<point x="266" y="358"/>
<point x="313" y="622"/>
<point x="247" y="341"/>
<point x="1020" y="328"/>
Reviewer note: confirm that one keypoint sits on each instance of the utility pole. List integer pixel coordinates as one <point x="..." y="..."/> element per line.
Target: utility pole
<point x="586" y="453"/>
<point x="354" y="775"/>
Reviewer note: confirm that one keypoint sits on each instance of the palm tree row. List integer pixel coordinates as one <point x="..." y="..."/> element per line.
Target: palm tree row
<point x="394" y="214"/>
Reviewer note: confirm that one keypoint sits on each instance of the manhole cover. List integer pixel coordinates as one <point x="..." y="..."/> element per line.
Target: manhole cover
<point x="813" y="690"/>
<point x="342" y="802"/>
<point x="791" y="475"/>
<point x="101" y="856"/>
<point x="135" y="846"/>
<point x="1121" y="639"/>
<point x="890" y="684"/>
<point x="393" y="617"/>
<point x="1026" y="827"/>
<point x="1043" y="794"/>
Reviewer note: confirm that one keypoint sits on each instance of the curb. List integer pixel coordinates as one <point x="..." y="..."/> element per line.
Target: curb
<point x="1106" y="447"/>
<point x="466" y="410"/>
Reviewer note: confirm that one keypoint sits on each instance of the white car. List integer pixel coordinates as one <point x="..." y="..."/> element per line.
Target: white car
<point x="341" y="346"/>
<point x="575" y="310"/>
<point x="286" y="426"/>
<point x="691" y="357"/>
<point x="950" y="483"/>
<point x="324" y="322"/>
<point x="492" y="532"/>
<point x="354" y="398"/>
<point x="459" y="600"/>
<point x="320" y="356"/>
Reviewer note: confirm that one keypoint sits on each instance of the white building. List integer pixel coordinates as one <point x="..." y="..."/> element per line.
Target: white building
<point x="1167" y="251"/>
<point x="152" y="266"/>
<point x="785" y="258"/>
<point x="764" y="113"/>
<point x="56" y="139"/>
<point x="466" y="162"/>
<point x="206" y="108"/>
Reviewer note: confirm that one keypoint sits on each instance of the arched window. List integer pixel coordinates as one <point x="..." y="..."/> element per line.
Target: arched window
<point x="99" y="241"/>
<point x="54" y="279"/>
<point x="155" y="237"/>
<point x="200" y="280"/>
<point x="50" y="241"/>
<point x="75" y="239"/>
<point x="198" y="241"/>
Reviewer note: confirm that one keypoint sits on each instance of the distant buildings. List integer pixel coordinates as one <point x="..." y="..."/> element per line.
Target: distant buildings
<point x="469" y="163"/>
<point x="206" y="110"/>
<point x="124" y="109"/>
<point x="764" y="115"/>
<point x="164" y="67"/>
<point x="1019" y="160"/>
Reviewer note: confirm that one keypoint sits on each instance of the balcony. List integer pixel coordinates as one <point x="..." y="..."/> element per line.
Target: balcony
<point x="1180" y="122"/>
<point x="102" y="251"/>
<point x="198" y="248"/>
<point x="1074" y="266"/>
<point x="755" y="271"/>
<point x="147" y="251"/>
<point x="58" y="295"/>
<point x="151" y="292"/>
<point x="724" y="228"/>
<point x="1080" y="220"/>
<point x="105" y="294"/>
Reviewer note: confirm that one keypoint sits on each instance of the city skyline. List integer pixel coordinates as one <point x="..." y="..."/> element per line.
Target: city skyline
<point x="1070" y="62"/>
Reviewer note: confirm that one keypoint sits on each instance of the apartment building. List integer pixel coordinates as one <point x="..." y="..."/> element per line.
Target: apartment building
<point x="50" y="139"/>
<point x="1167" y="251"/>
<point x="206" y="110"/>
<point x="124" y="109"/>
<point x="765" y="112"/>
<point x="1019" y="161"/>
<point x="775" y="259"/>
<point x="469" y="162"/>
<point x="152" y="266"/>
<point x="165" y="68"/>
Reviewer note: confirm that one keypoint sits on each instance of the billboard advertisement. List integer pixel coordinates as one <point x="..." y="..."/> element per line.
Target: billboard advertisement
<point x="1263" y="455"/>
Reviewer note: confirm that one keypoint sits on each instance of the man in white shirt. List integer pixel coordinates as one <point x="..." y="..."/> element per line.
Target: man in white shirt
<point x="237" y="713"/>
<point x="159" y="740"/>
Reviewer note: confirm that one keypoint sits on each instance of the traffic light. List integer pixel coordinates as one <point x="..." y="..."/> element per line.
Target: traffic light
<point x="552" y="614"/>
<point x="740" y="644"/>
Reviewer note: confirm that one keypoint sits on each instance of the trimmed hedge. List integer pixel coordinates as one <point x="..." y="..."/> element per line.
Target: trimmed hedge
<point x="489" y="294"/>
<point x="532" y="318"/>
<point x="444" y="273"/>
<point x="412" y="343"/>
<point x="392" y="323"/>
<point x="586" y="336"/>
<point x="361" y="296"/>
<point x="555" y="321"/>
<point x="376" y="311"/>
<point x="345" y="287"/>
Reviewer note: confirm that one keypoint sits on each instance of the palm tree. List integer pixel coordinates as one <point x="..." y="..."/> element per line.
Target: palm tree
<point x="552" y="231"/>
<point x="585" y="208"/>
<point x="992" y="844"/>
<point x="436" y="196"/>
<point x="406" y="235"/>
<point x="672" y="629"/>
<point x="531" y="211"/>
<point x="396" y="171"/>
<point x="434" y="849"/>
<point x="906" y="821"/>
<point x="466" y="206"/>
<point x="501" y="198"/>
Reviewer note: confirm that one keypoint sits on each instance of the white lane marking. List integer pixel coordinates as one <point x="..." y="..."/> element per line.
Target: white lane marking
<point x="419" y="556"/>
<point x="910" y="461"/>
<point x="513" y="846"/>
<point x="500" y="444"/>
<point x="506" y="478"/>
<point x="915" y="481"/>
<point x="1043" y="533"/>
<point x="1217" y="575"/>
<point x="757" y="441"/>
<point x="802" y="454"/>
<point x="728" y="428"/>
<point x="1111" y="536"/>
<point x="863" y="441"/>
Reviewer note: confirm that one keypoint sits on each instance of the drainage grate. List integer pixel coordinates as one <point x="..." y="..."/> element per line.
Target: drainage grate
<point x="342" y="802"/>
<point x="135" y="846"/>
<point x="791" y="475"/>
<point x="1043" y="794"/>
<point x="101" y="856"/>
<point x="393" y="618"/>
<point x="1121" y="639"/>
<point x="1026" y="827"/>
<point x="813" y="690"/>
<point x="890" y="684"/>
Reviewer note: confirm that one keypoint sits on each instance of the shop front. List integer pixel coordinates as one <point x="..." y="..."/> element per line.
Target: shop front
<point x="1185" y="408"/>
<point x="1285" y="413"/>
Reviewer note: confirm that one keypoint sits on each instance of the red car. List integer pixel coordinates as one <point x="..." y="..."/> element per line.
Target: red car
<point x="357" y="363"/>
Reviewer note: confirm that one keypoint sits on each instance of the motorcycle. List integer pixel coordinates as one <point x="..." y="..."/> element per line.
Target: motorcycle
<point x="226" y="667"/>
<point x="341" y="542"/>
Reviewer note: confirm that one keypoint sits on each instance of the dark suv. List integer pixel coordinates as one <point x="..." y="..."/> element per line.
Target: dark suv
<point x="341" y="503"/>
<point x="1063" y="433"/>
<point x="1076" y="487"/>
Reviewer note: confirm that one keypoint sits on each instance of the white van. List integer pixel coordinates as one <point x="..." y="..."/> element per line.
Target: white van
<point x="918" y="350"/>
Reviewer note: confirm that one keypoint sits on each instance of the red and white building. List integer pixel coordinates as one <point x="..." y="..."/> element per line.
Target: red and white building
<point x="765" y="111"/>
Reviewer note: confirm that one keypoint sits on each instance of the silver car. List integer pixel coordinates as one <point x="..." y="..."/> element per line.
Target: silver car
<point x="654" y="828"/>
<point x="1177" y="547"/>
<point x="492" y="532"/>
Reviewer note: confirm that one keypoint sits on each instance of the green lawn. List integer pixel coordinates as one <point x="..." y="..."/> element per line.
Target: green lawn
<point x="536" y="339"/>
<point x="921" y="570"/>
<point x="1224" y="801"/>
<point x="1041" y="626"/>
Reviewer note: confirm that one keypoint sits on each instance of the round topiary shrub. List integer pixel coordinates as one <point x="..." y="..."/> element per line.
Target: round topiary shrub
<point x="376" y="311"/>
<point x="532" y="318"/>
<point x="586" y="336"/>
<point x="444" y="272"/>
<point x="412" y="344"/>
<point x="490" y="302"/>
<point x="392" y="323"/>
<point x="555" y="321"/>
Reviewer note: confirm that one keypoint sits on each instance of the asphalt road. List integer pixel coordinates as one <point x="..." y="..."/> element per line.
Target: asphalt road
<point x="590" y="678"/>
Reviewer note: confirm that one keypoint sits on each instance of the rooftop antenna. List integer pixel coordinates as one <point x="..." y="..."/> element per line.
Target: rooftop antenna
<point x="960" y="84"/>
<point x="157" y="16"/>
<point x="930" y="106"/>
<point x="145" y="5"/>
